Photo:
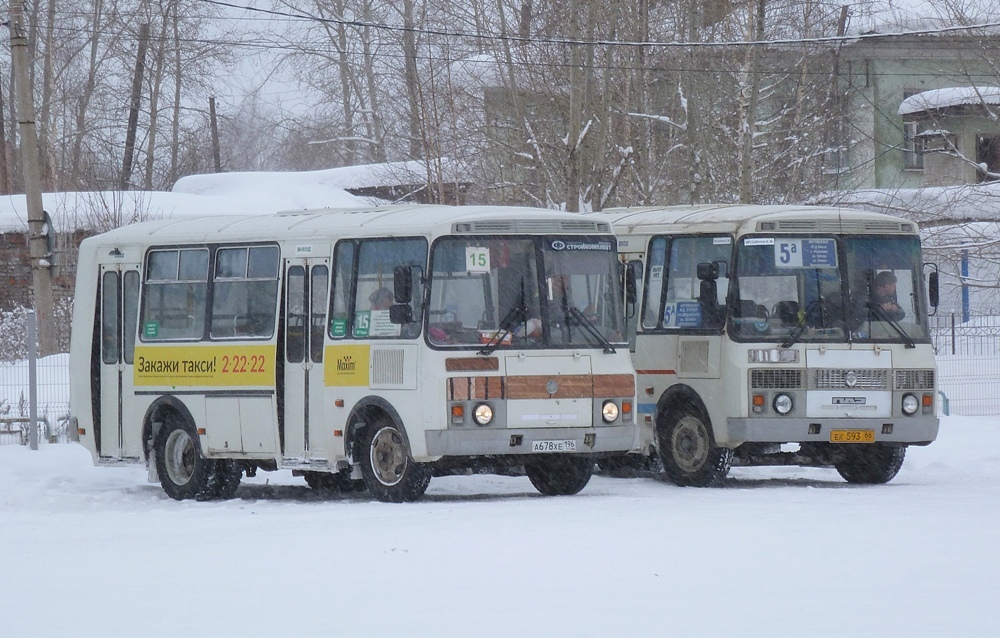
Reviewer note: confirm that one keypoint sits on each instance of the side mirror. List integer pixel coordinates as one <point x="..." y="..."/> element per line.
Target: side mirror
<point x="708" y="270"/>
<point x="402" y="284"/>
<point x="933" y="290"/>
<point x="630" y="284"/>
<point x="400" y="313"/>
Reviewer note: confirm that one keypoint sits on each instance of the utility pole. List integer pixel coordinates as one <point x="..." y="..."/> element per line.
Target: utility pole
<point x="38" y="229"/>
<point x="216" y="155"/>
<point x="750" y="125"/>
<point x="133" y="113"/>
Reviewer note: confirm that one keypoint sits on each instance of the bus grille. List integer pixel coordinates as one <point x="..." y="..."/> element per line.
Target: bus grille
<point x="387" y="366"/>
<point x="913" y="379"/>
<point x="842" y="226"/>
<point x="838" y="379"/>
<point x="501" y="227"/>
<point x="764" y="379"/>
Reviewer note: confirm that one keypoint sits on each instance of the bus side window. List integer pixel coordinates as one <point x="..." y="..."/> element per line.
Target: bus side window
<point x="176" y="290"/>
<point x="245" y="288"/>
<point x="340" y="290"/>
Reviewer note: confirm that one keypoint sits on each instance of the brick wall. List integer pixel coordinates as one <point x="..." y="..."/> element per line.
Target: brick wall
<point x="15" y="268"/>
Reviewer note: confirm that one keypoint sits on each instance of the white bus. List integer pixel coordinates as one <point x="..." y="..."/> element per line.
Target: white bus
<point x="769" y="335"/>
<point x="358" y="348"/>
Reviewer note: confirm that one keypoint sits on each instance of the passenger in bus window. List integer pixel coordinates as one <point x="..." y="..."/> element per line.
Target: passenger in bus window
<point x="381" y="299"/>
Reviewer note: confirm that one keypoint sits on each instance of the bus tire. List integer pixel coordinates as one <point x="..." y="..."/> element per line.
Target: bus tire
<point x="182" y="469"/>
<point x="871" y="464"/>
<point x="560" y="475"/>
<point x="389" y="471"/>
<point x="333" y="482"/>
<point x="688" y="451"/>
<point x="228" y="475"/>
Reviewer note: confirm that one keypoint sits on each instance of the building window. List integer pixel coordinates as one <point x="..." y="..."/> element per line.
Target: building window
<point x="913" y="147"/>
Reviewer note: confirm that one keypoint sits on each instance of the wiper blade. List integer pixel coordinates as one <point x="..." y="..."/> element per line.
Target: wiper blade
<point x="516" y="315"/>
<point x="800" y="325"/>
<point x="591" y="329"/>
<point x="881" y="314"/>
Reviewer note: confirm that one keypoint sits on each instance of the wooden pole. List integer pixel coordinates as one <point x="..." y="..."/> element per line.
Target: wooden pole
<point x="133" y="113"/>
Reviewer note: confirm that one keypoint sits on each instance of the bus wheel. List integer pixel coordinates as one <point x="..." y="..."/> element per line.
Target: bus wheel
<point x="389" y="471"/>
<point x="690" y="457"/>
<point x="871" y="464"/>
<point x="333" y="482"/>
<point x="560" y="475"/>
<point x="183" y="471"/>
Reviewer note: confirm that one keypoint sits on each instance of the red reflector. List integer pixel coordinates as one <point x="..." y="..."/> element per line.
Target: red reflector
<point x="81" y="431"/>
<point x="339" y="403"/>
<point x="338" y="433"/>
<point x="201" y="431"/>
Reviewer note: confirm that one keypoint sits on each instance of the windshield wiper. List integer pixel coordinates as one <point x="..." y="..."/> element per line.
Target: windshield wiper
<point x="518" y="314"/>
<point x="800" y="325"/>
<point x="881" y="314"/>
<point x="590" y="328"/>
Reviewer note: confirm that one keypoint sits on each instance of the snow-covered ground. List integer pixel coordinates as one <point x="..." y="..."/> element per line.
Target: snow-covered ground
<point x="92" y="551"/>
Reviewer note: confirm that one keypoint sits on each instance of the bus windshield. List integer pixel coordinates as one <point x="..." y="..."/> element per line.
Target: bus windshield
<point x="524" y="292"/>
<point x="816" y="289"/>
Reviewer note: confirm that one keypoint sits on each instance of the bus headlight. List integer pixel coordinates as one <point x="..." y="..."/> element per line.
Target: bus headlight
<point x="609" y="411"/>
<point x="910" y="404"/>
<point x="782" y="404"/>
<point x="483" y="414"/>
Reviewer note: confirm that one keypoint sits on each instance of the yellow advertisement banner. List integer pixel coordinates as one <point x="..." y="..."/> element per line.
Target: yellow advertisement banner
<point x="209" y="365"/>
<point x="346" y="365"/>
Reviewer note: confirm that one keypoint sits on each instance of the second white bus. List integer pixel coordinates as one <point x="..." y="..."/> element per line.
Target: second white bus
<point x="374" y="347"/>
<point x="780" y="335"/>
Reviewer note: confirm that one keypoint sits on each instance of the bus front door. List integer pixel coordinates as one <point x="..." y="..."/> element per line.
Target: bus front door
<point x="304" y="432"/>
<point x="119" y="427"/>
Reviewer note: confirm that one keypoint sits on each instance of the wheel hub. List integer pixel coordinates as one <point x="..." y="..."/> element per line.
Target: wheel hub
<point x="388" y="456"/>
<point x="690" y="444"/>
<point x="179" y="457"/>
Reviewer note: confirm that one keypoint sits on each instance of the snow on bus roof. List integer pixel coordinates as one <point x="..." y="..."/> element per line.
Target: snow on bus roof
<point x="732" y="216"/>
<point x="392" y="219"/>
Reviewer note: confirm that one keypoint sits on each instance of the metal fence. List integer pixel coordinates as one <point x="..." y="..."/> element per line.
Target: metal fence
<point x="52" y="396"/>
<point x="968" y="358"/>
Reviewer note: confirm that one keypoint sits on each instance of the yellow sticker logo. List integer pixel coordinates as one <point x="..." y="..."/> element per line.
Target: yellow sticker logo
<point x="346" y="366"/>
<point x="187" y="366"/>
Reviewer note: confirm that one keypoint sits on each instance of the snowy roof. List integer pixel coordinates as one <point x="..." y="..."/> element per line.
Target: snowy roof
<point x="953" y="96"/>
<point x="901" y="16"/>
<point x="217" y="194"/>
<point x="927" y="206"/>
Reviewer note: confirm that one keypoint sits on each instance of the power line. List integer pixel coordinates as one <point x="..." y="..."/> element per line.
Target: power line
<point x="601" y="42"/>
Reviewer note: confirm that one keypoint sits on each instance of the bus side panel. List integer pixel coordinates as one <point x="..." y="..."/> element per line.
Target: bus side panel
<point x="82" y="353"/>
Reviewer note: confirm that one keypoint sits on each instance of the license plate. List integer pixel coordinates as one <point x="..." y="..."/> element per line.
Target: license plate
<point x="852" y="436"/>
<point x="554" y="446"/>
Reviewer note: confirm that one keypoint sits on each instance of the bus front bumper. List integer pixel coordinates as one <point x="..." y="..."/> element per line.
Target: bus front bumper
<point x="915" y="429"/>
<point x="474" y="442"/>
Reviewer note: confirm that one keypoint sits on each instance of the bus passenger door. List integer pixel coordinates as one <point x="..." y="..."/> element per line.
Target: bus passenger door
<point x="120" y="425"/>
<point x="307" y="283"/>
